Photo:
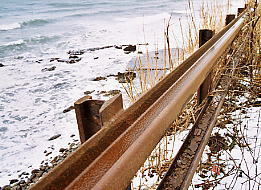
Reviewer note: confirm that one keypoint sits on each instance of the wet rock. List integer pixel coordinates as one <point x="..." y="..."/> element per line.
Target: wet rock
<point x="62" y="149"/>
<point x="49" y="69"/>
<point x="72" y="61"/>
<point x="99" y="48"/>
<point x="88" y="92"/>
<point x="54" y="59"/>
<point x="130" y="48"/>
<point x="13" y="181"/>
<point x="24" y="173"/>
<point x="47" y="154"/>
<point x="144" y="44"/>
<point x="2" y="65"/>
<point x="39" y="60"/>
<point x="77" y="52"/>
<point x="118" y="47"/>
<point x="68" y="109"/>
<point x="99" y="78"/>
<point x="73" y="57"/>
<point x="54" y="137"/>
<point x="62" y="60"/>
<point x="112" y="75"/>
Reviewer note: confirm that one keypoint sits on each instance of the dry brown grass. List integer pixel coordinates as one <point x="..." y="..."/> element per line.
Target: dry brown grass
<point x="154" y="168"/>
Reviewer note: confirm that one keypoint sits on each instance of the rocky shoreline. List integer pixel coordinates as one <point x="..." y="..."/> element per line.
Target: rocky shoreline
<point x="26" y="179"/>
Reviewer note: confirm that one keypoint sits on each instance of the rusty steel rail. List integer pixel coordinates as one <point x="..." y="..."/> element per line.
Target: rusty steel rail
<point x="116" y="166"/>
<point x="185" y="163"/>
<point x="111" y="157"/>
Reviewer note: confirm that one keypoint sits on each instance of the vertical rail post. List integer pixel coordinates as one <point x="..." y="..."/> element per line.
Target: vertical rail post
<point x="204" y="36"/>
<point x="88" y="117"/>
<point x="240" y="10"/>
<point x="230" y="18"/>
<point x="91" y="114"/>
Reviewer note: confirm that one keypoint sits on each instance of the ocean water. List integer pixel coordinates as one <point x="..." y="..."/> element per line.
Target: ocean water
<point x="32" y="32"/>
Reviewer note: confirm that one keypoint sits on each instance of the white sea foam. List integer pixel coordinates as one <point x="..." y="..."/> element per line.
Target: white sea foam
<point x="11" y="26"/>
<point x="13" y="43"/>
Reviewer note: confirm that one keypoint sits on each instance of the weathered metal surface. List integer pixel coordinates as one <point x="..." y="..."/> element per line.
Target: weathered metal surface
<point x="116" y="166"/>
<point x="204" y="36"/>
<point x="88" y="117"/>
<point x="110" y="109"/>
<point x="184" y="165"/>
<point x="86" y="155"/>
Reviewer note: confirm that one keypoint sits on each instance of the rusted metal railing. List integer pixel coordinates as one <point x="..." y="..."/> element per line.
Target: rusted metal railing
<point x="108" y="159"/>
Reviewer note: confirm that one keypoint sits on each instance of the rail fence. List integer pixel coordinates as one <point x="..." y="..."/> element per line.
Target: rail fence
<point x="116" y="142"/>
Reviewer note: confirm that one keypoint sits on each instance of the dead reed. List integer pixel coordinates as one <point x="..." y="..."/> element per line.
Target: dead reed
<point x="150" y="72"/>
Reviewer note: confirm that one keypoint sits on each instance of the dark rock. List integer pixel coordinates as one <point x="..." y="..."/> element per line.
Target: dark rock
<point x="2" y="65"/>
<point x="89" y="92"/>
<point x="99" y="48"/>
<point x="96" y="58"/>
<point x="99" y="78"/>
<point x="54" y="137"/>
<point x="72" y="135"/>
<point x="61" y="60"/>
<point x="62" y="149"/>
<point x="72" y="61"/>
<point x="39" y="60"/>
<point x="35" y="171"/>
<point x="130" y="48"/>
<point x="78" y="52"/>
<point x="68" y="109"/>
<point x="13" y="181"/>
<point x="54" y="59"/>
<point x="49" y="69"/>
<point x="145" y="44"/>
<point x="118" y="47"/>
<point x="48" y="153"/>
<point x="73" y="57"/>
<point x="24" y="173"/>
<point x="112" y="75"/>
<point x="45" y="151"/>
